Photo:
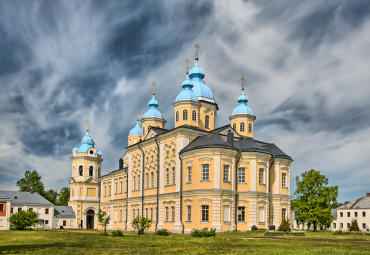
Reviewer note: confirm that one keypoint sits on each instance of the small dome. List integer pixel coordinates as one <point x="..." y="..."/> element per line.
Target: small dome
<point x="243" y="106"/>
<point x="200" y="89"/>
<point x="136" y="130"/>
<point x="86" y="143"/>
<point x="87" y="139"/>
<point x="153" y="111"/>
<point x="186" y="92"/>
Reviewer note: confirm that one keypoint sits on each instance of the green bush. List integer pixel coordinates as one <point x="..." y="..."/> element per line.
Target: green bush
<point x="284" y="226"/>
<point x="117" y="232"/>
<point x="23" y="219"/>
<point x="162" y="232"/>
<point x="141" y="224"/>
<point x="354" y="226"/>
<point x="203" y="232"/>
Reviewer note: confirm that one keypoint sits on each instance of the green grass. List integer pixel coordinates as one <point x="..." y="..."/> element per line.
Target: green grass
<point x="92" y="242"/>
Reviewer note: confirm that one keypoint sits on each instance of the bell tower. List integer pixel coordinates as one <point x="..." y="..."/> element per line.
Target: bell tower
<point x="85" y="182"/>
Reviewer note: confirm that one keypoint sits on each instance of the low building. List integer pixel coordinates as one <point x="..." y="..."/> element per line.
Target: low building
<point x="64" y="217"/>
<point x="358" y="209"/>
<point x="15" y="201"/>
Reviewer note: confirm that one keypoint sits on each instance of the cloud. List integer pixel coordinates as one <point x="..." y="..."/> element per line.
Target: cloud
<point x="64" y="62"/>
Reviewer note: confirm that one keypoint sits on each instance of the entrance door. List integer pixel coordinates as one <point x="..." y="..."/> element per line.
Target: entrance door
<point x="90" y="219"/>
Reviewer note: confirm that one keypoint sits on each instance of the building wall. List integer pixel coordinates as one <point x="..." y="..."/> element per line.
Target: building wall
<point x="345" y="217"/>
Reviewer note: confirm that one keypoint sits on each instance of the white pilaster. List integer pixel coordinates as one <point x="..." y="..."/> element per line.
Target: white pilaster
<point x="217" y="172"/>
<point x="253" y="174"/>
<point x="276" y="179"/>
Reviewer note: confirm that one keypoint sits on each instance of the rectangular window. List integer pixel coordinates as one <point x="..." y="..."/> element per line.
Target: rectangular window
<point x="115" y="188"/>
<point x="1" y="207"/>
<point x="138" y="182"/>
<point x="173" y="176"/>
<point x="46" y="210"/>
<point x="348" y="225"/>
<point x="283" y="180"/>
<point x="241" y="175"/>
<point x="241" y="213"/>
<point x="11" y="210"/>
<point x="105" y="191"/>
<point x="363" y="214"/>
<point x="334" y="225"/>
<point x="152" y="180"/>
<point x="138" y="212"/>
<point x="167" y="177"/>
<point x="146" y="212"/>
<point x="348" y="214"/>
<point x="283" y="213"/>
<point x="341" y="225"/>
<point x="226" y="173"/>
<point x="109" y="190"/>
<point x="19" y="209"/>
<point x="226" y="213"/>
<point x="166" y="215"/>
<point x="120" y="187"/>
<point x="133" y="213"/>
<point x="64" y="223"/>
<point x="151" y="214"/>
<point x="363" y="225"/>
<point x="46" y="222"/>
<point x="188" y="213"/>
<point x="173" y="213"/>
<point x="189" y="174"/>
<point x="205" y="172"/>
<point x="356" y="214"/>
<point x="205" y="213"/>
<point x="261" y="215"/>
<point x="261" y="177"/>
<point x="341" y="214"/>
<point x="120" y="215"/>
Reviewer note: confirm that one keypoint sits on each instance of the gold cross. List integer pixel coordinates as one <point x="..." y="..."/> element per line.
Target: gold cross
<point x="196" y="51"/>
<point x="153" y="84"/>
<point x="87" y="125"/>
<point x="243" y="83"/>
<point x="187" y="66"/>
<point x="137" y="115"/>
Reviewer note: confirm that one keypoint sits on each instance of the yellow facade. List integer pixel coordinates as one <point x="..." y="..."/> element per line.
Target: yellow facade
<point x="186" y="113"/>
<point x="243" y="124"/>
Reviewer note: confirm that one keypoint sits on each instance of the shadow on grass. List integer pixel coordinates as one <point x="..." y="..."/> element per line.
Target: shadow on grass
<point x="26" y="248"/>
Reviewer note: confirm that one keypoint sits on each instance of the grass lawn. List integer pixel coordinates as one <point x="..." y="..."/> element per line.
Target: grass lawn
<point x="92" y="242"/>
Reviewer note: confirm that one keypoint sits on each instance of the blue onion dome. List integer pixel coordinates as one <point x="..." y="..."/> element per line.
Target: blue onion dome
<point x="200" y="89"/>
<point x="243" y="106"/>
<point x="153" y="109"/>
<point x="187" y="91"/>
<point x="87" y="139"/>
<point x="86" y="143"/>
<point x="136" y="130"/>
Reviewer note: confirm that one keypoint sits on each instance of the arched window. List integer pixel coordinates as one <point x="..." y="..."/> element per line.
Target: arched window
<point x="185" y="115"/>
<point x="138" y="182"/>
<point x="151" y="180"/>
<point x="134" y="183"/>
<point x="81" y="170"/>
<point x="91" y="170"/>
<point x="177" y="116"/>
<point x="206" y="122"/>
<point x="194" y="115"/>
<point x="241" y="126"/>
<point x="167" y="177"/>
<point x="149" y="127"/>
<point x="167" y="154"/>
<point x="173" y="176"/>
<point x="151" y="159"/>
<point x="250" y="127"/>
<point x="234" y="126"/>
<point x="147" y="181"/>
<point x="173" y="152"/>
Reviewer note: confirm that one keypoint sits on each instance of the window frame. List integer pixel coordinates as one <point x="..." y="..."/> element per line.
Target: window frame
<point x="173" y="214"/>
<point x="241" y="175"/>
<point x="91" y="171"/>
<point x="261" y="176"/>
<point x="206" y="121"/>
<point x="173" y="176"/>
<point x="167" y="177"/>
<point x="284" y="180"/>
<point x="177" y="116"/>
<point x="188" y="174"/>
<point x="184" y="114"/>
<point x="242" y="127"/>
<point x="250" y="128"/>
<point x="188" y="213"/>
<point x="205" y="172"/>
<point x="194" y="115"/>
<point x="226" y="173"/>
<point x="205" y="213"/>
<point x="241" y="213"/>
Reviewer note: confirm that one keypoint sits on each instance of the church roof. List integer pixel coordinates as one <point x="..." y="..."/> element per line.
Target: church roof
<point x="86" y="143"/>
<point x="275" y="151"/>
<point x="136" y="130"/>
<point x="360" y="203"/>
<point x="243" y="105"/>
<point x="214" y="140"/>
<point x="249" y="145"/>
<point x="199" y="87"/>
<point x="24" y="198"/>
<point x="187" y="91"/>
<point x="153" y="109"/>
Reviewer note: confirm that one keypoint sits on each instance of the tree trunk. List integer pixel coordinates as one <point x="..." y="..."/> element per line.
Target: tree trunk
<point x="314" y="226"/>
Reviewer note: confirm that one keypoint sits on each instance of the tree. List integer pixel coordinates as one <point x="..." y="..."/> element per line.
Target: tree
<point x="63" y="196"/>
<point x="31" y="182"/>
<point x="141" y="224"/>
<point x="314" y="199"/>
<point x="23" y="219"/>
<point x="284" y="226"/>
<point x="103" y="219"/>
<point x="50" y="195"/>
<point x="354" y="226"/>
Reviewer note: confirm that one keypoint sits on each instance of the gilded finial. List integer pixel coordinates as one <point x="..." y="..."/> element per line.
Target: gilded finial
<point x="87" y="125"/>
<point x="137" y="115"/>
<point x="187" y="66"/>
<point x="243" y="82"/>
<point x="196" y="51"/>
<point x="153" y="84"/>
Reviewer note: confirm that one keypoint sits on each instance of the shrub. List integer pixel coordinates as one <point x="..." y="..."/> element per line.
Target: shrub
<point x="254" y="228"/>
<point x="354" y="226"/>
<point x="284" y="226"/>
<point x="162" y="232"/>
<point x="117" y="232"/>
<point x="23" y="219"/>
<point x="203" y="232"/>
<point x="141" y="224"/>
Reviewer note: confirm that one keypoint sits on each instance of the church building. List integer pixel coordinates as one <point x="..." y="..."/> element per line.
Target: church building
<point x="190" y="177"/>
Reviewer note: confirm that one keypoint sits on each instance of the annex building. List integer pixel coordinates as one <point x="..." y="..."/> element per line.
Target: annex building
<point x="192" y="176"/>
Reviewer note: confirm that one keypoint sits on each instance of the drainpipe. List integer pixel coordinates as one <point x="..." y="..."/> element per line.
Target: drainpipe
<point x="236" y="191"/>
<point x="126" y="198"/>
<point x="269" y="191"/>
<point x="156" y="213"/>
<point x="182" y="224"/>
<point x="142" y="180"/>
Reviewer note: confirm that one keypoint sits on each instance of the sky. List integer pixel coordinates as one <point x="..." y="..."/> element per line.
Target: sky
<point x="306" y="65"/>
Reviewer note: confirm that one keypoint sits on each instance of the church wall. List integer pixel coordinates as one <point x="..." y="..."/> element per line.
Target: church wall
<point x="238" y="120"/>
<point x="210" y="110"/>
